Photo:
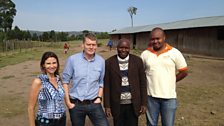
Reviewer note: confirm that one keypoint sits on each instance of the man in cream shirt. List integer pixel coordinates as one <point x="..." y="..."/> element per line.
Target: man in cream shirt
<point x="161" y="62"/>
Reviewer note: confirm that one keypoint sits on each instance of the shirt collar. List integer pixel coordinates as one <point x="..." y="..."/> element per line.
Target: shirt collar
<point x="125" y="59"/>
<point x="83" y="55"/>
<point x="166" y="49"/>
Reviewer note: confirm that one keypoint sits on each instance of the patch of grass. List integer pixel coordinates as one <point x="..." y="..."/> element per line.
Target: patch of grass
<point x="16" y="58"/>
<point x="136" y="51"/>
<point x="8" y="77"/>
<point x="103" y="41"/>
<point x="19" y="56"/>
<point x="99" y="44"/>
<point x="12" y="105"/>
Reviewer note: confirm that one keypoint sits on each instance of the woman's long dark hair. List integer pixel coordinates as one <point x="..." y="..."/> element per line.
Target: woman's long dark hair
<point x="47" y="55"/>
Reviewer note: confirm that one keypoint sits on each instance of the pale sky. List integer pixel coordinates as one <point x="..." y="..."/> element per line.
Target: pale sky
<point x="107" y="15"/>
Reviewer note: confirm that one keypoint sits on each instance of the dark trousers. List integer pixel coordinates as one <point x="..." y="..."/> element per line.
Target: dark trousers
<point x="87" y="108"/>
<point x="127" y="116"/>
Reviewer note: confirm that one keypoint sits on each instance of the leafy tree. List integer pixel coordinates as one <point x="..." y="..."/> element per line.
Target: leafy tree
<point x="45" y="36"/>
<point x="102" y="35"/>
<point x="53" y="36"/>
<point x="35" y="37"/>
<point x="15" y="33"/>
<point x="85" y="31"/>
<point x="79" y="37"/>
<point x="132" y="10"/>
<point x="26" y="35"/>
<point x="72" y="37"/>
<point x="40" y="37"/>
<point x="18" y="33"/>
<point x="7" y="13"/>
<point x="113" y="30"/>
<point x="11" y="34"/>
<point x="62" y="36"/>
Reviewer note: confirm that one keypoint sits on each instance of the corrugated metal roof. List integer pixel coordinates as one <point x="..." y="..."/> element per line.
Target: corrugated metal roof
<point x="190" y="23"/>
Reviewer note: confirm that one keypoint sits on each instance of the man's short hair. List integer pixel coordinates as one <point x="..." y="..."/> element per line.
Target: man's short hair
<point x="90" y="36"/>
<point x="158" y="28"/>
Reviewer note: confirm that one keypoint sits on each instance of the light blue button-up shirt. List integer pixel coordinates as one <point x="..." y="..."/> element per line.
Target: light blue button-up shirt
<point x="86" y="76"/>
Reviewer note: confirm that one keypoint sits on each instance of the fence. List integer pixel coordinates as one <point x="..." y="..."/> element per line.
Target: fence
<point x="13" y="45"/>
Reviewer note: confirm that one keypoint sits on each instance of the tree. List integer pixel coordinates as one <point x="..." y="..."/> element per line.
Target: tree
<point x="85" y="31"/>
<point x="45" y="36"/>
<point x="63" y="36"/>
<point x="15" y="33"/>
<point x="7" y="13"/>
<point x="35" y="37"/>
<point x="27" y="35"/>
<point x="11" y="34"/>
<point x="18" y="33"/>
<point x="102" y="35"/>
<point x="72" y="37"/>
<point x="52" y="36"/>
<point x="132" y="10"/>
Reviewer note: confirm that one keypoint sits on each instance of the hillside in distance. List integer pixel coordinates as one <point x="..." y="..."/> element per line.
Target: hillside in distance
<point x="69" y="32"/>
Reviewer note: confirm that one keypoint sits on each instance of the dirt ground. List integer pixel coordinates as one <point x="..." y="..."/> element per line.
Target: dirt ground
<point x="200" y="95"/>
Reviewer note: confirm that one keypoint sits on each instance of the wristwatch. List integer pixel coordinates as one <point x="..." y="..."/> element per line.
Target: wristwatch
<point x="99" y="98"/>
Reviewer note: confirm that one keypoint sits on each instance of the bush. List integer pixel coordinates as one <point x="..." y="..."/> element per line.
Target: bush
<point x="99" y="44"/>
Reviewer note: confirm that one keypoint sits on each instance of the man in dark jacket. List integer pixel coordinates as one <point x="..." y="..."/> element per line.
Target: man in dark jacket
<point x="125" y="96"/>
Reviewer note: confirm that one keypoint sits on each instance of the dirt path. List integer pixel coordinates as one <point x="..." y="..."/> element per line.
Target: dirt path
<point x="15" y="81"/>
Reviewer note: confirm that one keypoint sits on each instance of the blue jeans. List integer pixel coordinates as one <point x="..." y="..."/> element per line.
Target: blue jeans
<point x="165" y="107"/>
<point x="93" y="111"/>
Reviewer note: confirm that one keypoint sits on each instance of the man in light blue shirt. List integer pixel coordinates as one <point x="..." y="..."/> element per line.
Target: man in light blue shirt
<point x="85" y="71"/>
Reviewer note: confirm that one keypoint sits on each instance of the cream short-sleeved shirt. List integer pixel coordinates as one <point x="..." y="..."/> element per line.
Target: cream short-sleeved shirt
<point x="161" y="71"/>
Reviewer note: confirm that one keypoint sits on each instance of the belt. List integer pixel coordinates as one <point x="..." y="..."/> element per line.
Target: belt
<point x="55" y="115"/>
<point x="84" y="102"/>
<point x="40" y="120"/>
<point x="51" y="115"/>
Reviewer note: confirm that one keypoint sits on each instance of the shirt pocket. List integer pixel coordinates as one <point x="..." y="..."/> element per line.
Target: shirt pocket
<point x="95" y="74"/>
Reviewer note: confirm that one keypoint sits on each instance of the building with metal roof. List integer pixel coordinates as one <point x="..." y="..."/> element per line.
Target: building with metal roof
<point x="198" y="36"/>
